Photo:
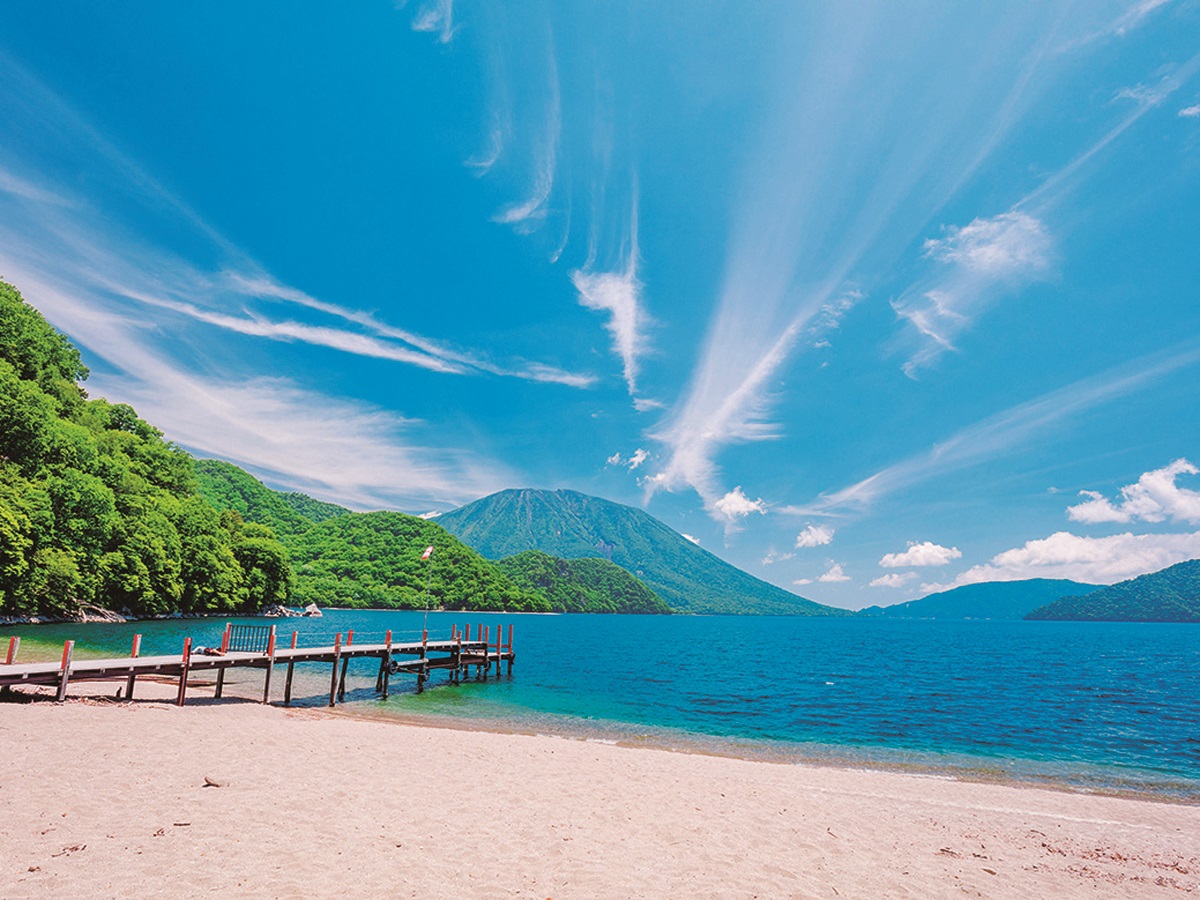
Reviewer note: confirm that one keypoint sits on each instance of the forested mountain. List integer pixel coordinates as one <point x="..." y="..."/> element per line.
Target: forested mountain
<point x="311" y="509"/>
<point x="226" y="486"/>
<point x="1169" y="595"/>
<point x="581" y="585"/>
<point x="96" y="508"/>
<point x="571" y="525"/>
<point x="373" y="560"/>
<point x="990" y="600"/>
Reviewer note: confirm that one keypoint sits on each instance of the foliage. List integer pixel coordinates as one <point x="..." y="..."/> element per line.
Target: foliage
<point x="573" y="526"/>
<point x="96" y="508"/>
<point x="373" y="560"/>
<point x="1169" y="595"/>
<point x="226" y="486"/>
<point x="581" y="585"/>
<point x="312" y="509"/>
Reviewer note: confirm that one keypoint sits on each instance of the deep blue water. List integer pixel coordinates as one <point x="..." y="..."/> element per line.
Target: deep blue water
<point x="1088" y="705"/>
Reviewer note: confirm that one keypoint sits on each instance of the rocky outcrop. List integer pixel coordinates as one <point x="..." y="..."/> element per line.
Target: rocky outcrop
<point x="279" y="612"/>
<point x="311" y="611"/>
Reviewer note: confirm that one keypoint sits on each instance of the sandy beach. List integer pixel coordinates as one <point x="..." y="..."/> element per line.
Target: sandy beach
<point x="103" y="799"/>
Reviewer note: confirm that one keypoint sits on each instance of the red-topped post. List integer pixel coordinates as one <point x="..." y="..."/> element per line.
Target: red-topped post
<point x="185" y="665"/>
<point x="68" y="651"/>
<point x="134" y="652"/>
<point x="13" y="644"/>
<point x="270" y="666"/>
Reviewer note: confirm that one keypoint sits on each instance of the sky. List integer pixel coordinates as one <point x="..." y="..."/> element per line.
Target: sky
<point x="868" y="299"/>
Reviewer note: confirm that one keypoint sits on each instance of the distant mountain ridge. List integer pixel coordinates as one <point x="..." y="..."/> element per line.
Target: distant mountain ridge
<point x="988" y="600"/>
<point x="1169" y="595"/>
<point x="572" y="525"/>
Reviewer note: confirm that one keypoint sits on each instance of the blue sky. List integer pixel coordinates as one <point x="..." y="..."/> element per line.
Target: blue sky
<point x="866" y="298"/>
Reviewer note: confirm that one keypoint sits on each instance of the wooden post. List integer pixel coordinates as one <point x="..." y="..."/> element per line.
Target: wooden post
<point x="270" y="666"/>
<point x="337" y="653"/>
<point x="350" y="638"/>
<point x="387" y="663"/>
<point x="68" y="651"/>
<point x="485" y="635"/>
<point x="226" y="637"/>
<point x="287" y="688"/>
<point x="183" y="673"/>
<point x="14" y="644"/>
<point x="342" y="682"/>
<point x="457" y="654"/>
<point x="134" y="653"/>
<point x="510" y="652"/>
<point x="423" y="672"/>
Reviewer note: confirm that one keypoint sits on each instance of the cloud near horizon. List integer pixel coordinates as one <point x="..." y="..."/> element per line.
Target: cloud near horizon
<point x="926" y="553"/>
<point x="1093" y="560"/>
<point x="893" y="580"/>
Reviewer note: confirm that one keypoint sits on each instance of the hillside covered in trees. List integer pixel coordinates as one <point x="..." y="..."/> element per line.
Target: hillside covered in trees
<point x="97" y="509"/>
<point x="1169" y="595"/>
<point x="581" y="585"/>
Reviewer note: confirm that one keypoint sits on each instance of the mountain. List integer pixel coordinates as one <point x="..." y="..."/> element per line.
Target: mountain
<point x="1169" y="595"/>
<point x="373" y="561"/>
<point x="226" y="486"/>
<point x="312" y="509"/>
<point x="581" y="585"/>
<point x="989" y="600"/>
<point x="573" y="526"/>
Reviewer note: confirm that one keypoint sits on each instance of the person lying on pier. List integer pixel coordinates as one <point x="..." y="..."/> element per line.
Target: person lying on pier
<point x="208" y="651"/>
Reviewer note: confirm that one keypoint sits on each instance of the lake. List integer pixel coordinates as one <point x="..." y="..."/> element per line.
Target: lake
<point x="1089" y="706"/>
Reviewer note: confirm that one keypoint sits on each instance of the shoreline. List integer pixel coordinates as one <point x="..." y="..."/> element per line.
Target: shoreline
<point x="108" y="798"/>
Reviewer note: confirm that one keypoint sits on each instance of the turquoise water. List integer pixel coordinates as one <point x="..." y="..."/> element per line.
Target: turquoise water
<point x="1112" y="707"/>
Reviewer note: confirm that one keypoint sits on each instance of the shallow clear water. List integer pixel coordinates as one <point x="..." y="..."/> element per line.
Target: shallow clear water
<point x="1108" y="706"/>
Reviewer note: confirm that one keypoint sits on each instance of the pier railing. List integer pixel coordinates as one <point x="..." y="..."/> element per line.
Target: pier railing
<point x="257" y="646"/>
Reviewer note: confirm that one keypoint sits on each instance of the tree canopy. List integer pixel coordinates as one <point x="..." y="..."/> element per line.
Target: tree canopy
<point x="97" y="508"/>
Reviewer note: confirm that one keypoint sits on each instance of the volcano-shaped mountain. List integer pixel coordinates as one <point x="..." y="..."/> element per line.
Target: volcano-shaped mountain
<point x="572" y="525"/>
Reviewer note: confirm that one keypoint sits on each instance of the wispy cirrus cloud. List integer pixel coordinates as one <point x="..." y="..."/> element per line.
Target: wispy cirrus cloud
<point x="804" y="226"/>
<point x="619" y="293"/>
<point x="529" y="214"/>
<point x="1002" y="432"/>
<point x="1155" y="497"/>
<point x="1190" y="112"/>
<point x="976" y="262"/>
<point x="436" y="17"/>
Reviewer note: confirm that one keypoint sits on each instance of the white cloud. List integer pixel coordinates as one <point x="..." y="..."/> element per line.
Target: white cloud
<point x="814" y="536"/>
<point x="893" y="579"/>
<point x="1154" y="498"/>
<point x="1101" y="560"/>
<point x="802" y="581"/>
<point x="1146" y="94"/>
<point x="619" y="293"/>
<point x="834" y="574"/>
<point x="694" y="540"/>
<point x="921" y="554"/>
<point x="736" y="505"/>
<point x="1190" y="112"/>
<point x="977" y="260"/>
<point x="1011" y="245"/>
<point x="639" y="457"/>
<point x="436" y="17"/>
<point x="614" y="460"/>
<point x="773" y="556"/>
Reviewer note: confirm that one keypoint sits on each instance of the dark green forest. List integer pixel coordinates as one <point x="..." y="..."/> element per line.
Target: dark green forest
<point x="1169" y="595"/>
<point x="581" y="585"/>
<point x="97" y="509"/>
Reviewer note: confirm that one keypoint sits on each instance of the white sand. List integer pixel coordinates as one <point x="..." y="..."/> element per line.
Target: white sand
<point x="108" y="800"/>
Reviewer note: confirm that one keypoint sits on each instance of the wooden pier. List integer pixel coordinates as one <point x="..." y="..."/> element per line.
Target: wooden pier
<point x="254" y="646"/>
